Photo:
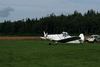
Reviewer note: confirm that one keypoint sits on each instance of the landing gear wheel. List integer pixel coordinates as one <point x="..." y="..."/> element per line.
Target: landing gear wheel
<point x="57" y="44"/>
<point x="50" y="44"/>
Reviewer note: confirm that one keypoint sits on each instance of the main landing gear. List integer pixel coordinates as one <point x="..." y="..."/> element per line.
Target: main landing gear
<point x="56" y="44"/>
<point x="50" y="44"/>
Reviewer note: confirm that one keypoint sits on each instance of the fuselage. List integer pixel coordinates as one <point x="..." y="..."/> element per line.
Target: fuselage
<point x="64" y="37"/>
<point x="57" y="37"/>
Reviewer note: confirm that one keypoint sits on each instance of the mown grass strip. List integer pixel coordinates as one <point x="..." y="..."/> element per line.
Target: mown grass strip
<point x="37" y="53"/>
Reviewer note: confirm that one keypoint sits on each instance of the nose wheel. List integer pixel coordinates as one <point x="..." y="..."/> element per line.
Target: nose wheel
<point x="57" y="43"/>
<point x="50" y="44"/>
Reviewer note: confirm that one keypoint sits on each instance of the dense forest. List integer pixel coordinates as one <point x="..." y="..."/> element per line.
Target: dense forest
<point x="87" y="23"/>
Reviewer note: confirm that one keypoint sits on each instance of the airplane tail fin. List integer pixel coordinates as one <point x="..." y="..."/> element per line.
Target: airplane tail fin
<point x="81" y="38"/>
<point x="45" y="34"/>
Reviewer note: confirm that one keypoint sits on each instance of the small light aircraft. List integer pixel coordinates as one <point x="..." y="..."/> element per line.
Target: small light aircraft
<point x="64" y="37"/>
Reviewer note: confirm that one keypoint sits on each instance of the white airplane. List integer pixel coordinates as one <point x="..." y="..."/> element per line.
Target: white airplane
<point x="64" y="37"/>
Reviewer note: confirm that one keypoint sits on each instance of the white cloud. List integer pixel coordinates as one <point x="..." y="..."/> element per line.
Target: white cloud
<point x="39" y="8"/>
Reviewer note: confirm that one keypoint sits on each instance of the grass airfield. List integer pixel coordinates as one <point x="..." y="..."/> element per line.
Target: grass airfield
<point x="37" y="53"/>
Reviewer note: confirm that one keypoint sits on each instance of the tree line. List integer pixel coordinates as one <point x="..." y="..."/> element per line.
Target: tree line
<point x="87" y="23"/>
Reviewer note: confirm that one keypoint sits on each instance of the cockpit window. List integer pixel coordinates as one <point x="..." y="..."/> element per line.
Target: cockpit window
<point x="65" y="34"/>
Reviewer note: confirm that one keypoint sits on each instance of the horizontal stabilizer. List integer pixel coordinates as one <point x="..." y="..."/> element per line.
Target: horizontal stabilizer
<point x="43" y="37"/>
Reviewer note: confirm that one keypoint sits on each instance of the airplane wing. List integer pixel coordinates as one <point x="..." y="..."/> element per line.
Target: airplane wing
<point x="68" y="39"/>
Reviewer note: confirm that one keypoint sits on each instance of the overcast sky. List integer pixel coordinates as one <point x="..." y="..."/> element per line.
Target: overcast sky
<point x="21" y="9"/>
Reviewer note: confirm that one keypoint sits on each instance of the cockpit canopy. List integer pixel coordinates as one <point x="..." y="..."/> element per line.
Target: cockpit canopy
<point x="65" y="34"/>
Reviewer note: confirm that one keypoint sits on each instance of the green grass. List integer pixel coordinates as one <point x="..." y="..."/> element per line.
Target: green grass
<point x="37" y="53"/>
